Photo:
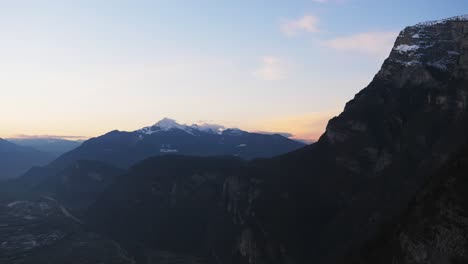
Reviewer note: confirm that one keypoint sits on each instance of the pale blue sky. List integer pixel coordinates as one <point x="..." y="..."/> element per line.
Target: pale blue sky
<point x="87" y="67"/>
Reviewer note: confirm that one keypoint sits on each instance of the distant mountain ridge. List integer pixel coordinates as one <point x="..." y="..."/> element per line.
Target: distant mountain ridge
<point x="16" y="160"/>
<point x="51" y="145"/>
<point x="123" y="149"/>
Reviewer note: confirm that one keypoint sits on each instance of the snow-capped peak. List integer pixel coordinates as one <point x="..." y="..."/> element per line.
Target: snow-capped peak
<point x="167" y="124"/>
<point x="210" y="128"/>
<point x="442" y="21"/>
<point x="164" y="124"/>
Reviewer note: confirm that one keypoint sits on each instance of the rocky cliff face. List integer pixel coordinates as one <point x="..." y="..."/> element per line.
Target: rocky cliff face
<point x="434" y="228"/>
<point x="186" y="206"/>
<point x="395" y="132"/>
<point x="375" y="156"/>
<point x="324" y="201"/>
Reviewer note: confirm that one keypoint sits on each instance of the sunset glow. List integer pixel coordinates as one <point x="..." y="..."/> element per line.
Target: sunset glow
<point x="81" y="68"/>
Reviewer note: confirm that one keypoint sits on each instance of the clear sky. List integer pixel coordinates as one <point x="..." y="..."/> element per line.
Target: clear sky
<point x="82" y="68"/>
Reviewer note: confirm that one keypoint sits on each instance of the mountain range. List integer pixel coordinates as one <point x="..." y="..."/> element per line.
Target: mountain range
<point x="51" y="145"/>
<point x="123" y="149"/>
<point x="16" y="160"/>
<point x="119" y="150"/>
<point x="383" y="184"/>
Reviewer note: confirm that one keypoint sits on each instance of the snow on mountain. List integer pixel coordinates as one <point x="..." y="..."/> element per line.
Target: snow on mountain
<point x="167" y="124"/>
<point x="442" y="21"/>
<point x="406" y="48"/>
<point x="210" y="128"/>
<point x="430" y="44"/>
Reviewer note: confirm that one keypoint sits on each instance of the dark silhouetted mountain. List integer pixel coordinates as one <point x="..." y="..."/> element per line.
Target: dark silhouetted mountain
<point x="124" y="149"/>
<point x="319" y="203"/>
<point x="173" y="204"/>
<point x="53" y="146"/>
<point x="16" y="160"/>
<point x="78" y="185"/>
<point x="434" y="229"/>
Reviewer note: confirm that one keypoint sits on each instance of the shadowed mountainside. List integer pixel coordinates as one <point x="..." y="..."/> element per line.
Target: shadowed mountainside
<point x="434" y="228"/>
<point x="16" y="160"/>
<point x="53" y="146"/>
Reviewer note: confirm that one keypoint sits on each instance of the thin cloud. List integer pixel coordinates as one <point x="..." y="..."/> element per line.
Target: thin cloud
<point x="272" y="69"/>
<point x="307" y="23"/>
<point x="369" y="43"/>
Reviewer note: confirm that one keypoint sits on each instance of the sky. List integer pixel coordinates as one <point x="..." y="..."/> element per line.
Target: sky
<point x="81" y="68"/>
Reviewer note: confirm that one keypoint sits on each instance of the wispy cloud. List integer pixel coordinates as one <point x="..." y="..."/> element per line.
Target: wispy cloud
<point x="307" y="23"/>
<point x="271" y="69"/>
<point x="369" y="43"/>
